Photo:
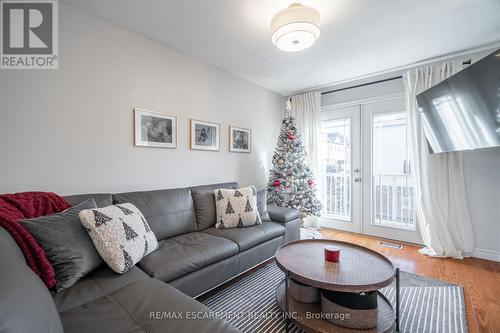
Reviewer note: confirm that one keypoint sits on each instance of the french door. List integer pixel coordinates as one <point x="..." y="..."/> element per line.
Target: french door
<point x="366" y="184"/>
<point x="339" y="185"/>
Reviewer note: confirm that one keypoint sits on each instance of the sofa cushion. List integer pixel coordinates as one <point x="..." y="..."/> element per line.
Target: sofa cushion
<point x="168" y="212"/>
<point x="198" y="282"/>
<point x="244" y="237"/>
<point x="204" y="203"/>
<point x="101" y="199"/>
<point x="249" y="237"/>
<point x="186" y="253"/>
<point x="25" y="302"/>
<point x="120" y="234"/>
<point x="66" y="243"/>
<point x="95" y="285"/>
<point x="272" y="229"/>
<point x="143" y="307"/>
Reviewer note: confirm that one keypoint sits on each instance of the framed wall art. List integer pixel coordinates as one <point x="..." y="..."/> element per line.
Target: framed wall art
<point x="240" y="139"/>
<point x="153" y="129"/>
<point x="205" y="135"/>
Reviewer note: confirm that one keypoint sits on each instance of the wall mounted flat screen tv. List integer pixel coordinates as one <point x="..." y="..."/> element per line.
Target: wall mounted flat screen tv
<point x="463" y="112"/>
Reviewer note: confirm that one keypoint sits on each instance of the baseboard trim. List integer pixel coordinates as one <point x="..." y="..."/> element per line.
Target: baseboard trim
<point x="486" y="254"/>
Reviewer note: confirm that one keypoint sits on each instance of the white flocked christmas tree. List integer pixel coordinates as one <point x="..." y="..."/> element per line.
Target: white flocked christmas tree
<point x="291" y="182"/>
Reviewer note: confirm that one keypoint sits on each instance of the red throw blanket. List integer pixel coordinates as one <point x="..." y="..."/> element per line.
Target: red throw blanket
<point x="19" y="206"/>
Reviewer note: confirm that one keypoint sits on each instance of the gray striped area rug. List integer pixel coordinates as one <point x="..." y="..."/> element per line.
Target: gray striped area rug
<point x="427" y="305"/>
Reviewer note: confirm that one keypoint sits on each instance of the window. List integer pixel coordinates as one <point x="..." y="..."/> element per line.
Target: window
<point x="335" y="158"/>
<point x="392" y="182"/>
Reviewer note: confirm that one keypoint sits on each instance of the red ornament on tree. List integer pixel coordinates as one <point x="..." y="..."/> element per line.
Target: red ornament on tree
<point x="276" y="183"/>
<point x="291" y="137"/>
<point x="310" y="182"/>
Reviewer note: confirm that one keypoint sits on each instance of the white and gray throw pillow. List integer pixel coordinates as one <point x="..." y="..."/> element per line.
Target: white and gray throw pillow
<point x="236" y="208"/>
<point x="120" y="234"/>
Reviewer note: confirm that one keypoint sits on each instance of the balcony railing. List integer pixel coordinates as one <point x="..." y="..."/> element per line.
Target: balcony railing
<point x="338" y="195"/>
<point x="393" y="199"/>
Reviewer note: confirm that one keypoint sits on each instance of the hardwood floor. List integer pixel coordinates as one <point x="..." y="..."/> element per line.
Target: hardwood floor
<point x="480" y="278"/>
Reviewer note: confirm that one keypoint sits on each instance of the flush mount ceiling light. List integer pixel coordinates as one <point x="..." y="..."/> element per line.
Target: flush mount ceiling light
<point x="295" y="28"/>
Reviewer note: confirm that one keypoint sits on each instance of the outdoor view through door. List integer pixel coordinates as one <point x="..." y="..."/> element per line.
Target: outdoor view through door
<point x="392" y="183"/>
<point x="336" y="165"/>
<point x="365" y="175"/>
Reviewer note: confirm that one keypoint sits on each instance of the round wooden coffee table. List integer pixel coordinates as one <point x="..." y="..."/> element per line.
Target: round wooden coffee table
<point x="358" y="270"/>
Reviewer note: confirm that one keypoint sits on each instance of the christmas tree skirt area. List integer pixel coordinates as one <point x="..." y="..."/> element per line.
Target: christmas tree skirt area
<point x="427" y="305"/>
<point x="310" y="233"/>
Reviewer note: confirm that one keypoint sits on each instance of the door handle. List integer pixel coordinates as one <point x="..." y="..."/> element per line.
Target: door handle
<point x="357" y="179"/>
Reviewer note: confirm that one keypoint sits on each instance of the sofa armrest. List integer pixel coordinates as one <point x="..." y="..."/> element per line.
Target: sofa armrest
<point x="282" y="214"/>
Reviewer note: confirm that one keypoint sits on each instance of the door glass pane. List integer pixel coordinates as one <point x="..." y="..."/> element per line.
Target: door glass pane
<point x="335" y="163"/>
<point x="392" y="189"/>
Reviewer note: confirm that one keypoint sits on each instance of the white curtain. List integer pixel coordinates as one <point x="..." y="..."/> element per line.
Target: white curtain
<point x="441" y="202"/>
<point x="306" y="110"/>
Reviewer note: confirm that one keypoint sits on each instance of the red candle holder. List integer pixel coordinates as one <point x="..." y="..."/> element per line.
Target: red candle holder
<point x="332" y="253"/>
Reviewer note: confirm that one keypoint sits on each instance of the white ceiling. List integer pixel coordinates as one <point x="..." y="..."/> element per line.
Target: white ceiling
<point x="358" y="37"/>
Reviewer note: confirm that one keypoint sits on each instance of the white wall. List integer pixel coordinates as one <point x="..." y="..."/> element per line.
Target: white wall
<point x="71" y="130"/>
<point x="482" y="180"/>
<point x="481" y="172"/>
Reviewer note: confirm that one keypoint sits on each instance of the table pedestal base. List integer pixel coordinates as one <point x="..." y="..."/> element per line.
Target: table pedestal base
<point x="308" y="316"/>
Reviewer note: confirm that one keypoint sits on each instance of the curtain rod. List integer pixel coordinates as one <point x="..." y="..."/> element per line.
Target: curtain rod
<point x="362" y="85"/>
<point x="468" y="62"/>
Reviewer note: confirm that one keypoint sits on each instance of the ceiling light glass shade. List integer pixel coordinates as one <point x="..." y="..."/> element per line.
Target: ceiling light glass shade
<point x="295" y="28"/>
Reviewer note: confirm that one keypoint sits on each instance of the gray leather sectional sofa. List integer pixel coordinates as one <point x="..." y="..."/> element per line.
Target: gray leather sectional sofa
<point x="156" y="295"/>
